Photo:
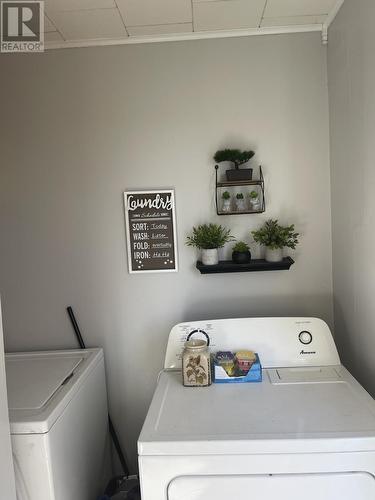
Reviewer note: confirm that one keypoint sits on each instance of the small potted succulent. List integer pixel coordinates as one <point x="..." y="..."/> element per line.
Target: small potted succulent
<point x="254" y="200"/>
<point x="237" y="158"/>
<point x="226" y="201"/>
<point x="240" y="202"/>
<point x="275" y="237"/>
<point x="208" y="238"/>
<point x="241" y="253"/>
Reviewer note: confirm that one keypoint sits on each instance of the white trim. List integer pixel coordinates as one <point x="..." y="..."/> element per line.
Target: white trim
<point x="331" y="16"/>
<point x="275" y="30"/>
<point x="7" y="480"/>
<point x="151" y="191"/>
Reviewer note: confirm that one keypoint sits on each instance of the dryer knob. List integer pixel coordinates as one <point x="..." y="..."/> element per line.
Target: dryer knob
<point x="305" y="337"/>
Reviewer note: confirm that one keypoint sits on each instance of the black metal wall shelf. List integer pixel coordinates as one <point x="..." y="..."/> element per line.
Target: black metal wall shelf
<point x="228" y="184"/>
<point x="228" y="266"/>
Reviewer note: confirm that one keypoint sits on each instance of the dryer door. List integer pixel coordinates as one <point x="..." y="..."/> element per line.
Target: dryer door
<point x="345" y="486"/>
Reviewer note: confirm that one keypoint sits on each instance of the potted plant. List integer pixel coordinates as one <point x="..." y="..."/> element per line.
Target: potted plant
<point x="254" y="200"/>
<point x="226" y="201"/>
<point x="208" y="238"/>
<point x="241" y="253"/>
<point x="240" y="202"/>
<point x="237" y="157"/>
<point x="275" y="237"/>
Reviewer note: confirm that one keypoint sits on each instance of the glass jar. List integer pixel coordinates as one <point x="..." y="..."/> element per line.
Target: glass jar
<point x="196" y="364"/>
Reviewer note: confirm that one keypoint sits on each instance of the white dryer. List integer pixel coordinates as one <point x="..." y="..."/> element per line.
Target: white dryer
<point x="58" y="421"/>
<point x="306" y="431"/>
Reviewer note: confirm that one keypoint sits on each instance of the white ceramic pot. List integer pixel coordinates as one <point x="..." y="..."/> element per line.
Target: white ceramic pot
<point x="274" y="255"/>
<point x="226" y="206"/>
<point x="240" y="203"/>
<point x="255" y="204"/>
<point x="210" y="256"/>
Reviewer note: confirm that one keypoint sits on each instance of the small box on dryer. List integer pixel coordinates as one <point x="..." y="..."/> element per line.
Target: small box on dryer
<point x="246" y="368"/>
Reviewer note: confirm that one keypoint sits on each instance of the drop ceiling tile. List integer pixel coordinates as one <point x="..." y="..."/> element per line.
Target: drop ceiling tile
<point x="145" y="12"/>
<point x="48" y="26"/>
<point x="62" y="5"/>
<point x="160" y="29"/>
<point x="227" y="14"/>
<point x="89" y="24"/>
<point x="53" y="36"/>
<point x="281" y="8"/>
<point x="292" y="21"/>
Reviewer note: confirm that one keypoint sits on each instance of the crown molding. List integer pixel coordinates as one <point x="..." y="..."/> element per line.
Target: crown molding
<point x="277" y="30"/>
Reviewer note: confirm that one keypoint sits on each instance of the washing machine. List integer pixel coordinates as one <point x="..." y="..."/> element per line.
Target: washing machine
<point x="306" y="431"/>
<point x="58" y="422"/>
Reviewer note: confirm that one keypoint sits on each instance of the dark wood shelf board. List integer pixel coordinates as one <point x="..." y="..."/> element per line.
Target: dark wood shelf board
<point x="239" y="183"/>
<point x="243" y="212"/>
<point x="227" y="266"/>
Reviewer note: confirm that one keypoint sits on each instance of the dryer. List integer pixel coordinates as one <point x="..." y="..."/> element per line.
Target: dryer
<point x="306" y="431"/>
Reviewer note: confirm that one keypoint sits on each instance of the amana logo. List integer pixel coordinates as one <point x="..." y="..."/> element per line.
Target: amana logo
<point x="307" y="352"/>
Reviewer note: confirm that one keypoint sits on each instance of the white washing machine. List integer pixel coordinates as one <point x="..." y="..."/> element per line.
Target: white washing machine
<point x="306" y="431"/>
<point x="58" y="422"/>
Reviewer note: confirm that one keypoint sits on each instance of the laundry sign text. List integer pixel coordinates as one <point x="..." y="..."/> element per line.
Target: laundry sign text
<point x="150" y="230"/>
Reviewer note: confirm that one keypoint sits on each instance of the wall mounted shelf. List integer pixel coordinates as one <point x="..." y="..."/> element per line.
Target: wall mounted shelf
<point x="238" y="184"/>
<point x="228" y="266"/>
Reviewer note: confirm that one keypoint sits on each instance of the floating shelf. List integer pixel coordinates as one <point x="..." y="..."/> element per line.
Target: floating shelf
<point x="239" y="183"/>
<point x="233" y="184"/>
<point x="237" y="212"/>
<point x="228" y="266"/>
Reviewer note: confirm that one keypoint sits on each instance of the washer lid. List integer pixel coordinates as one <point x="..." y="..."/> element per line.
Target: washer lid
<point x="33" y="380"/>
<point x="42" y="384"/>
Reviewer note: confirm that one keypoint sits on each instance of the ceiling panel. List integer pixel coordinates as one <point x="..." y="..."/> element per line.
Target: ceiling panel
<point x="59" y="5"/>
<point x="48" y="26"/>
<point x="292" y="21"/>
<point x="227" y="14"/>
<point x="81" y="20"/>
<point x="281" y="8"/>
<point x="86" y="24"/>
<point x="145" y="12"/>
<point x="53" y="36"/>
<point x="159" y="29"/>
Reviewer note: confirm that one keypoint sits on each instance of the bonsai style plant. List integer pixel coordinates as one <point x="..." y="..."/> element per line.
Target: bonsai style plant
<point x="208" y="238"/>
<point x="241" y="253"/>
<point x="275" y="237"/>
<point x="240" y="202"/>
<point x="226" y="201"/>
<point x="254" y="200"/>
<point x="237" y="157"/>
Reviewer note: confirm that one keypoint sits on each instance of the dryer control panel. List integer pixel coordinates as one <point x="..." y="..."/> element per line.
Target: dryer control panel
<point x="280" y="342"/>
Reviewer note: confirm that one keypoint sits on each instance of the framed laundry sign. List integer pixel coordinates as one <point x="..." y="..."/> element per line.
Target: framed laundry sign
<point x="151" y="231"/>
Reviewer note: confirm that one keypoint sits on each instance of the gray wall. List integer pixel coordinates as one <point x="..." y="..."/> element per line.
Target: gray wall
<point x="351" y="72"/>
<point x="83" y="125"/>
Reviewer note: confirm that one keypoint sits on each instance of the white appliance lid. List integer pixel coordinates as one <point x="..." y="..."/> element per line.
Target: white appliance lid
<point x="308" y="413"/>
<point x="41" y="384"/>
<point x="33" y="380"/>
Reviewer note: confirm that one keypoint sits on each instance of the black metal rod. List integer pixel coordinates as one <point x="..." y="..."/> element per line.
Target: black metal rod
<point x="76" y="329"/>
<point x="217" y="206"/>
<point x="112" y="430"/>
